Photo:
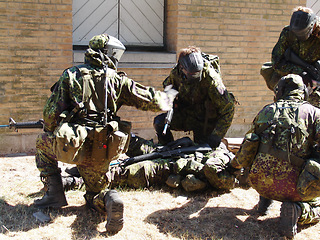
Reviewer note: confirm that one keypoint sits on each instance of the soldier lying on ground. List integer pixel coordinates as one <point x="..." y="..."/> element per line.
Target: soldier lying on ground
<point x="193" y="172"/>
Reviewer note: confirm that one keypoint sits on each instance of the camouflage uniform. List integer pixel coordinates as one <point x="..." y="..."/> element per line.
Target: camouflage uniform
<point x="275" y="174"/>
<point x="204" y="107"/>
<point x="194" y="172"/>
<point x="68" y="93"/>
<point x="308" y="50"/>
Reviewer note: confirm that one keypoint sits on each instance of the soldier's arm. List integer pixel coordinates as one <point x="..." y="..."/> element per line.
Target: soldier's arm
<point x="224" y="102"/>
<point x="280" y="65"/>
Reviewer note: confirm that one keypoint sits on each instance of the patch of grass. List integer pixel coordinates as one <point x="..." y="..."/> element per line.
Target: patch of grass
<point x="156" y="213"/>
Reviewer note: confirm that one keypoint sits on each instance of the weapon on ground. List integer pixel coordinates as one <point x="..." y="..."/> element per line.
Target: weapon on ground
<point x="314" y="71"/>
<point x="204" y="148"/>
<point x="167" y="121"/>
<point x="18" y="125"/>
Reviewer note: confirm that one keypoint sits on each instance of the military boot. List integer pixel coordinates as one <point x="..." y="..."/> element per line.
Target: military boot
<point x="54" y="196"/>
<point x="264" y="205"/>
<point x="290" y="213"/>
<point x="114" y="208"/>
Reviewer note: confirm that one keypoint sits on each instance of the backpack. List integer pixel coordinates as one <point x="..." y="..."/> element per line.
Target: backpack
<point x="214" y="61"/>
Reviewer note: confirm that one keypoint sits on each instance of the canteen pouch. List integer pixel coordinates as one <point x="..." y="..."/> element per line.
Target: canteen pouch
<point x="308" y="184"/>
<point x="118" y="141"/>
<point x="266" y="71"/>
<point x="69" y="138"/>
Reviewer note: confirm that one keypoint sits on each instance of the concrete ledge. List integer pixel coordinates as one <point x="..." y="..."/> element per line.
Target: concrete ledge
<point x="17" y="143"/>
<point x="137" y="59"/>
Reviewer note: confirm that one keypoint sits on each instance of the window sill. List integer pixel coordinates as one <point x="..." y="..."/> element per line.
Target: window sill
<point x="131" y="59"/>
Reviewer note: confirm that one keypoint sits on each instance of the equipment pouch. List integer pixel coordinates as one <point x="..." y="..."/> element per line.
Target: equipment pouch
<point x="247" y="152"/>
<point x="118" y="141"/>
<point x="267" y="71"/>
<point x="308" y="184"/>
<point x="69" y="138"/>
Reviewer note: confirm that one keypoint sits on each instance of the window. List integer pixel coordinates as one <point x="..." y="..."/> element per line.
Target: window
<point x="136" y="23"/>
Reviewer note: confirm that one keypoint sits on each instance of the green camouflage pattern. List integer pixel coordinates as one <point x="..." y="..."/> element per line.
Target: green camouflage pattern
<point x="277" y="178"/>
<point x="308" y="50"/>
<point x="195" y="170"/>
<point x="68" y="93"/>
<point x="195" y="97"/>
<point x="98" y="41"/>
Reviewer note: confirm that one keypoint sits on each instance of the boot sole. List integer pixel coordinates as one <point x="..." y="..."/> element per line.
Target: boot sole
<point x="115" y="222"/>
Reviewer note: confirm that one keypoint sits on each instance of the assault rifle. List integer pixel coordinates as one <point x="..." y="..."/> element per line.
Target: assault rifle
<point x="13" y="124"/>
<point x="313" y="70"/>
<point x="204" y="148"/>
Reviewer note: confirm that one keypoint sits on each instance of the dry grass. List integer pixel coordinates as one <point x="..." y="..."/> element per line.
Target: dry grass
<point x="149" y="214"/>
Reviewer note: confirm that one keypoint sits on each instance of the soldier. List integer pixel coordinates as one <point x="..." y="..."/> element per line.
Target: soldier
<point x="81" y="126"/>
<point x="282" y="152"/>
<point x="203" y="104"/>
<point x="297" y="51"/>
<point x="194" y="171"/>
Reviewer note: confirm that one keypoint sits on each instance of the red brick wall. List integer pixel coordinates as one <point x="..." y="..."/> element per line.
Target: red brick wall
<point x="242" y="33"/>
<point x="36" y="37"/>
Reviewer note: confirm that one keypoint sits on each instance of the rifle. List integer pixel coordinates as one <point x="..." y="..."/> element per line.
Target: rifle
<point x="204" y="148"/>
<point x="13" y="124"/>
<point x="167" y="121"/>
<point x="313" y="70"/>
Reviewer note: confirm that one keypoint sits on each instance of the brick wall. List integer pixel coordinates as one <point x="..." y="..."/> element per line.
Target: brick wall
<point x="36" y="45"/>
<point x="242" y="33"/>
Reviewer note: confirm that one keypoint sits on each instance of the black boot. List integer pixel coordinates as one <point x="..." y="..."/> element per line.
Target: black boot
<point x="290" y="213"/>
<point x="114" y="208"/>
<point x="264" y="205"/>
<point x="54" y="197"/>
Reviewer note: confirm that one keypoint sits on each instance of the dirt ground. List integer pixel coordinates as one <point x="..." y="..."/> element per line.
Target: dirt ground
<point x="149" y="213"/>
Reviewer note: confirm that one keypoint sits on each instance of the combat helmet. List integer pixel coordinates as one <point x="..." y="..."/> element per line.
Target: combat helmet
<point x="109" y="45"/>
<point x="288" y="84"/>
<point x="302" y="23"/>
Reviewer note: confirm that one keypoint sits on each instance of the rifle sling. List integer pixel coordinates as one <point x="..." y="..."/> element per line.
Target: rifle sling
<point x="277" y="153"/>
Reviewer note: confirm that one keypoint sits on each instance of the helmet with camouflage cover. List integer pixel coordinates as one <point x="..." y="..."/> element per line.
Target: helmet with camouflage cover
<point x="289" y="85"/>
<point x="109" y="45"/>
<point x="302" y="22"/>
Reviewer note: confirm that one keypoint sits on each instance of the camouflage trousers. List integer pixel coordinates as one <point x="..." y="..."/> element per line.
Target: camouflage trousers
<point x="275" y="178"/>
<point x="93" y="172"/>
<point x="310" y="211"/>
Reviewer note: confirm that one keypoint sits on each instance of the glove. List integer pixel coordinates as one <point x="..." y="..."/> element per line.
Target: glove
<point x="169" y="95"/>
<point x="214" y="141"/>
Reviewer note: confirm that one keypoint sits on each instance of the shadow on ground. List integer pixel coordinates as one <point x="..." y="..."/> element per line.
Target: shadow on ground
<point x="20" y="218"/>
<point x="194" y="220"/>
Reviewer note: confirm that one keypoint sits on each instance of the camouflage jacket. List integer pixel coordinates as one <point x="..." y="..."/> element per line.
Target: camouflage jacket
<point x="275" y="177"/>
<point x="308" y="50"/>
<point x="68" y="92"/>
<point x="208" y="97"/>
